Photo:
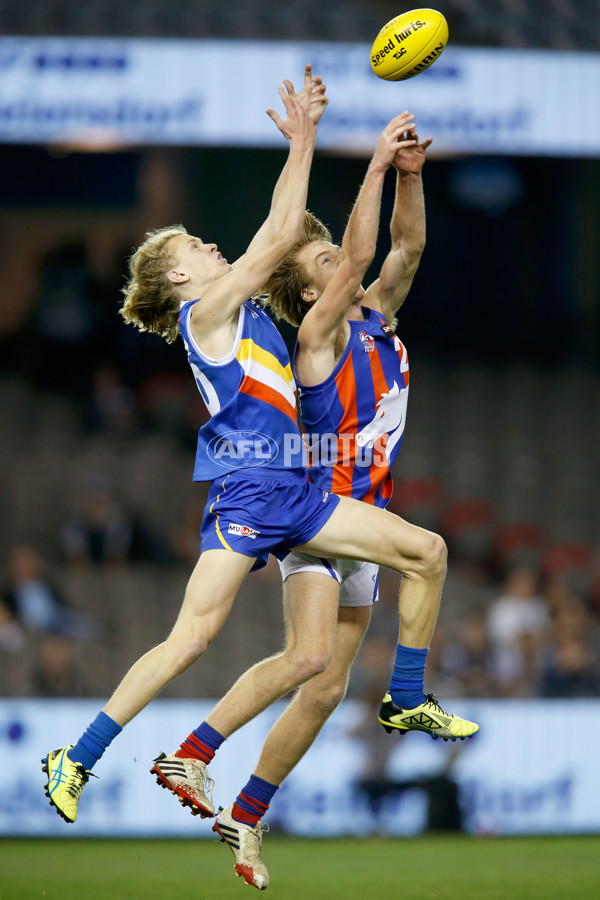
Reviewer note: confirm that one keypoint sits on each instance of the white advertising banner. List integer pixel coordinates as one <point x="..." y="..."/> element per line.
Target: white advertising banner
<point x="519" y="775"/>
<point x="107" y="93"/>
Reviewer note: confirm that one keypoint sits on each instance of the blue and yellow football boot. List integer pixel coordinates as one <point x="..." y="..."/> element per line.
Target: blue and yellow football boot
<point x="428" y="717"/>
<point x="66" y="780"/>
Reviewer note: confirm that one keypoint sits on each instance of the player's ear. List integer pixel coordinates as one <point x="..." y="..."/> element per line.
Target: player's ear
<point x="309" y="295"/>
<point x="177" y="277"/>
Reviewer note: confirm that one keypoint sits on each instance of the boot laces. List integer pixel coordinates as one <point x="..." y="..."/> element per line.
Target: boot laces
<point x="431" y="701"/>
<point x="199" y="770"/>
<point x="77" y="782"/>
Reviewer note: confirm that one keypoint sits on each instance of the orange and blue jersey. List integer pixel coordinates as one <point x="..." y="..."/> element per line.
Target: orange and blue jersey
<point x="353" y="421"/>
<point x="251" y="396"/>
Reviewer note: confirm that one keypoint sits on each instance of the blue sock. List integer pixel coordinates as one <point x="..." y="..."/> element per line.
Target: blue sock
<point x="406" y="686"/>
<point x="253" y="801"/>
<point x="202" y="743"/>
<point x="94" y="741"/>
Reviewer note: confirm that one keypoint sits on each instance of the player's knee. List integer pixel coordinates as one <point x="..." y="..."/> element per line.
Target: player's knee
<point x="326" y="699"/>
<point x="334" y="695"/>
<point x="430" y="559"/>
<point x="435" y="558"/>
<point x="185" y="652"/>
<point x="308" y="663"/>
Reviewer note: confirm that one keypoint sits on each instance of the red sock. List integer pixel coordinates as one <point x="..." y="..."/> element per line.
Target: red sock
<point x="192" y="748"/>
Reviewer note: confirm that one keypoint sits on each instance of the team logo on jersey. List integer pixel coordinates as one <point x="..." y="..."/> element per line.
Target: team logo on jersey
<point x="368" y="341"/>
<point x="242" y="449"/>
<point x="388" y="420"/>
<point x="242" y="530"/>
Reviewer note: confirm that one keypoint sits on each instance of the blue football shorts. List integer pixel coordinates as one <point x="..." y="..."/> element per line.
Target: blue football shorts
<point x="260" y="511"/>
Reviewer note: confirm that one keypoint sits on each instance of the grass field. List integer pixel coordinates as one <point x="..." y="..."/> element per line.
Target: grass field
<point x="446" y="868"/>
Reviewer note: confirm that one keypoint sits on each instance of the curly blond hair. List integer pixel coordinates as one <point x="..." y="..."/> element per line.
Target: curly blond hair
<point x="283" y="290"/>
<point x="152" y="302"/>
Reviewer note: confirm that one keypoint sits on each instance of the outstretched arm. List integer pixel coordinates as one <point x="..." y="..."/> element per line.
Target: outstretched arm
<point x="321" y="324"/>
<point x="222" y="299"/>
<point x="407" y="228"/>
<point x="313" y="100"/>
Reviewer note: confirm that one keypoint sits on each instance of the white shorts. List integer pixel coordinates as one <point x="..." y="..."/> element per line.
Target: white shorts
<point x="359" y="581"/>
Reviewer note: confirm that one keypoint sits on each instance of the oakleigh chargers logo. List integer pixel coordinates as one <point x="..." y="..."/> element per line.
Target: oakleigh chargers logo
<point x="242" y="449"/>
<point x="368" y="341"/>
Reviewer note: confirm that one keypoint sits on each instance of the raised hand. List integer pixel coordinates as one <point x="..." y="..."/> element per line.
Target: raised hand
<point x="297" y="127"/>
<point x="396" y="137"/>
<point x="410" y="160"/>
<point x="312" y="96"/>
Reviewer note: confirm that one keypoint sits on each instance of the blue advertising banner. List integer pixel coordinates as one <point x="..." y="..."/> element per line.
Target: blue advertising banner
<point x="517" y="776"/>
<point x="106" y="93"/>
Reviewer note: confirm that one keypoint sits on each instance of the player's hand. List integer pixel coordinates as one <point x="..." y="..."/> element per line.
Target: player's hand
<point x="395" y="137"/>
<point x="410" y="160"/>
<point x="297" y="127"/>
<point x="312" y="96"/>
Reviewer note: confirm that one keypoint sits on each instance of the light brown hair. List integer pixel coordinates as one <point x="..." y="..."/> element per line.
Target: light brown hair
<point x="152" y="302"/>
<point x="283" y="290"/>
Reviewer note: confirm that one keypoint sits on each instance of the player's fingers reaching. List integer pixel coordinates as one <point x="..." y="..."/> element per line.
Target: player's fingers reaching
<point x="400" y="145"/>
<point x="317" y="108"/>
<point x="403" y="133"/>
<point x="426" y="143"/>
<point x="276" y="118"/>
<point x="287" y="95"/>
<point x="308" y="76"/>
<point x="289" y="87"/>
<point x="402" y="119"/>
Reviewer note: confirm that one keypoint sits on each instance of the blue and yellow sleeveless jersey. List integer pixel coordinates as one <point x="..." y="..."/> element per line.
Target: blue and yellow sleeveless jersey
<point x="251" y="397"/>
<point x="354" y="421"/>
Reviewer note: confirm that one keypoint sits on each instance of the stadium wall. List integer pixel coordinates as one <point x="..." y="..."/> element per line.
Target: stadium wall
<point x="523" y="773"/>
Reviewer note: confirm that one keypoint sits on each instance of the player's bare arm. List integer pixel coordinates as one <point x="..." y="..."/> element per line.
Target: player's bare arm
<point x="319" y="334"/>
<point x="313" y="99"/>
<point x="213" y="322"/>
<point x="407" y="228"/>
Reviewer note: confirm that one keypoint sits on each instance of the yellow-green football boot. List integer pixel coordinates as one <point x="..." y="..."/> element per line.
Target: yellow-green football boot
<point x="66" y="780"/>
<point x="428" y="717"/>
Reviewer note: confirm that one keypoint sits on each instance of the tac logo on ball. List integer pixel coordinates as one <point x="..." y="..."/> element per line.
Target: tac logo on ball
<point x="409" y="44"/>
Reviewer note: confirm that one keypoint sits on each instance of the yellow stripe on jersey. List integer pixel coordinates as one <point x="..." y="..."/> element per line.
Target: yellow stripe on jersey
<point x="263" y="366"/>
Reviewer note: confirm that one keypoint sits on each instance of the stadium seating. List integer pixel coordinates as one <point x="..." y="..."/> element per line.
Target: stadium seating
<point x="562" y="24"/>
<point x="503" y="461"/>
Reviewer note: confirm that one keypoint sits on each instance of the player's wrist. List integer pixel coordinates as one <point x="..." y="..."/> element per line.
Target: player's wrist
<point x="406" y="175"/>
<point x="377" y="168"/>
<point x="302" y="147"/>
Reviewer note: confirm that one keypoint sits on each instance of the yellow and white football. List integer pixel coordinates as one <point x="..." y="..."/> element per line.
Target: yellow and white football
<point x="409" y="44"/>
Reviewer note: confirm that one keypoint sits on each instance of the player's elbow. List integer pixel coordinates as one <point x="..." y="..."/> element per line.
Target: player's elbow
<point x="411" y="249"/>
<point x="286" y="233"/>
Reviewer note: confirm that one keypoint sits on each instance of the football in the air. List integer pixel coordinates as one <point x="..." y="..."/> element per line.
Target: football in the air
<point x="409" y="44"/>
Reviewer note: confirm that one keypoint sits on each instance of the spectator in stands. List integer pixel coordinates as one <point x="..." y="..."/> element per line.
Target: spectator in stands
<point x="569" y="662"/>
<point x="55" y="673"/>
<point x="101" y="531"/>
<point x="113" y="406"/>
<point x="36" y="604"/>
<point x="61" y="330"/>
<point x="517" y="623"/>
<point x="185" y="539"/>
<point x="11" y="633"/>
<point x="467" y="660"/>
